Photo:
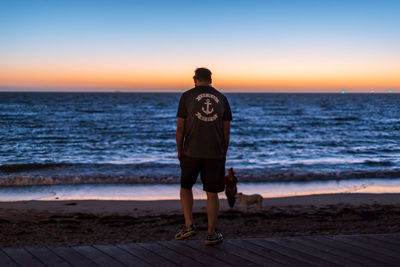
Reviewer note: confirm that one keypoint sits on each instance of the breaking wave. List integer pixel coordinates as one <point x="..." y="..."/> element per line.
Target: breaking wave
<point x="156" y="173"/>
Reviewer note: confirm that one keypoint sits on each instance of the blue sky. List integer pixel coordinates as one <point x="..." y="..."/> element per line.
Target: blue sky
<point x="261" y="44"/>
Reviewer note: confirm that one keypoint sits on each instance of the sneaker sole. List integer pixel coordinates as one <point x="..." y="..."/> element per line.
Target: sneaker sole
<point x="187" y="235"/>
<point x="208" y="242"/>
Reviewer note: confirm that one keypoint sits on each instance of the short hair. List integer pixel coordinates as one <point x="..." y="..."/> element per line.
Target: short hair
<point x="202" y="74"/>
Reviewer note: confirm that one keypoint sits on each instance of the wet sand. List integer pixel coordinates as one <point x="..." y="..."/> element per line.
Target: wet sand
<point x="28" y="223"/>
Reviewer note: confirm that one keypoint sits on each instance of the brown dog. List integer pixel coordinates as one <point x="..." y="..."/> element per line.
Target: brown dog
<point x="247" y="200"/>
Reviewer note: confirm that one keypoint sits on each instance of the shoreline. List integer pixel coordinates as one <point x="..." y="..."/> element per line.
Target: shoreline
<point x="128" y="192"/>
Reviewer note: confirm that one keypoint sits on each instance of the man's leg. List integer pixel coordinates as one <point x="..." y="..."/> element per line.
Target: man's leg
<point x="212" y="211"/>
<point x="190" y="170"/>
<point x="186" y="196"/>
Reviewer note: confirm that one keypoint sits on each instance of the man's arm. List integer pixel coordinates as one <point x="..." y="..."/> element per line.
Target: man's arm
<point x="227" y="130"/>
<point x="179" y="137"/>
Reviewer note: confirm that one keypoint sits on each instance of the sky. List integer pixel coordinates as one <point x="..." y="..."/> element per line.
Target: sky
<point x="273" y="46"/>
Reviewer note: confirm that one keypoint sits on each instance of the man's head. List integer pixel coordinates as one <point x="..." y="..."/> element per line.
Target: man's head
<point x="202" y="76"/>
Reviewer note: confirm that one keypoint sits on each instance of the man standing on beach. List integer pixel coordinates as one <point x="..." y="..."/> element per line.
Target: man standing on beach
<point x="202" y="138"/>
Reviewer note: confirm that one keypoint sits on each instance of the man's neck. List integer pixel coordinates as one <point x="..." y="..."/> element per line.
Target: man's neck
<point x="203" y="84"/>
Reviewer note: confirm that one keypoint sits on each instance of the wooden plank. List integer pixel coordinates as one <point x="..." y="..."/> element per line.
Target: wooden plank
<point x="295" y="248"/>
<point x="392" y="236"/>
<point x="344" y="249"/>
<point x="171" y="255"/>
<point x="348" y="260"/>
<point x="97" y="256"/>
<point x="72" y="257"/>
<point x="249" y="255"/>
<point x="395" y="236"/>
<point x="362" y="250"/>
<point x="388" y="239"/>
<point x="386" y="254"/>
<point x="47" y="256"/>
<point x="122" y="256"/>
<point x="387" y="244"/>
<point x="288" y="252"/>
<point x="266" y="253"/>
<point x="220" y="252"/>
<point x="294" y="243"/>
<point x="22" y="257"/>
<point x="6" y="261"/>
<point x="367" y="253"/>
<point x="182" y="248"/>
<point x="392" y="239"/>
<point x="146" y="255"/>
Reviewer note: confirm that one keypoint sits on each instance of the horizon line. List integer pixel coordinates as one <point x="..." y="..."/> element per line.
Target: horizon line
<point x="339" y="91"/>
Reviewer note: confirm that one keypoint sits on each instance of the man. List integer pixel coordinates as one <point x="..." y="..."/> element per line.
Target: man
<point x="202" y="138"/>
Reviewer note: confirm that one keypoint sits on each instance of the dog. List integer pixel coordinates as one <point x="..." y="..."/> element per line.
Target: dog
<point x="249" y="200"/>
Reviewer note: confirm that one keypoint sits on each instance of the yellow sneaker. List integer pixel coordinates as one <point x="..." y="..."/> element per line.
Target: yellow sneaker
<point x="185" y="232"/>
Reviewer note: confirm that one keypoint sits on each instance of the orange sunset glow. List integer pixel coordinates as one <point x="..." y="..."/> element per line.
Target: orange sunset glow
<point x="267" y="47"/>
<point x="104" y="79"/>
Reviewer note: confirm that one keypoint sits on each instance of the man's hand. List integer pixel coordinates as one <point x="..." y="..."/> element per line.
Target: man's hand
<point x="180" y="157"/>
<point x="179" y="138"/>
<point x="227" y="129"/>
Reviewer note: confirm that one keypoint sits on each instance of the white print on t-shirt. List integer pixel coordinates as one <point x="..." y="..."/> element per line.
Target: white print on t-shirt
<point x="199" y="97"/>
<point x="204" y="118"/>
<point x="207" y="108"/>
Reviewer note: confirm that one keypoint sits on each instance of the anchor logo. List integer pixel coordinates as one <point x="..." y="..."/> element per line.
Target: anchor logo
<point x="207" y="111"/>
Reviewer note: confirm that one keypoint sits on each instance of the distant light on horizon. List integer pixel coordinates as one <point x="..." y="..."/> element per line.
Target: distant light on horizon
<point x="389" y="91"/>
<point x="342" y="92"/>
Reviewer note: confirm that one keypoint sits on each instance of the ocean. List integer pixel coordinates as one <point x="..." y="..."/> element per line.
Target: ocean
<point x="129" y="138"/>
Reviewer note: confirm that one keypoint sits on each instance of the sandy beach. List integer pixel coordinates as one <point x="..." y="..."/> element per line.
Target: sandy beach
<point x="28" y="223"/>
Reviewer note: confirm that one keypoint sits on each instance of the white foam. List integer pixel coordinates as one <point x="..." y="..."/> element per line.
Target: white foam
<point x="171" y="191"/>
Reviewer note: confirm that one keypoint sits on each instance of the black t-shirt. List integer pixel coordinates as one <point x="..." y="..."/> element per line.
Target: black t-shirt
<point x="204" y="109"/>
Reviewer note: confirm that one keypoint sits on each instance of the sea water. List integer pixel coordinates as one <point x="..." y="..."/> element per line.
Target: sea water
<point x="129" y="138"/>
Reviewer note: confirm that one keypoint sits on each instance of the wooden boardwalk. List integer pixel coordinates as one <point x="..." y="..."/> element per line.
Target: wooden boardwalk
<point x="356" y="250"/>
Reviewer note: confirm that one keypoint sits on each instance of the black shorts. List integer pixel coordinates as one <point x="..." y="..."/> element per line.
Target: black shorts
<point x="212" y="172"/>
